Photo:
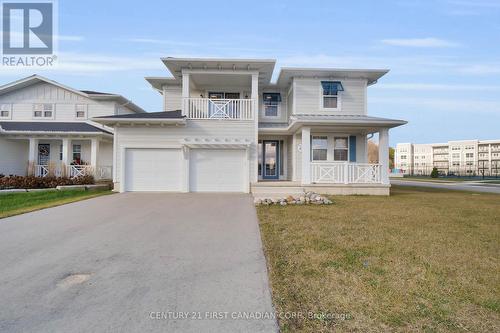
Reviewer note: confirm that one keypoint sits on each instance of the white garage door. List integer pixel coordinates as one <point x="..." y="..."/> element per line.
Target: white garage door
<point x="153" y="170"/>
<point x="217" y="170"/>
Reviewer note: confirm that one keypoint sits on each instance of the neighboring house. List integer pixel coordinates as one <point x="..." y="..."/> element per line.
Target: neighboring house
<point x="227" y="128"/>
<point x="45" y="129"/>
<point x="465" y="157"/>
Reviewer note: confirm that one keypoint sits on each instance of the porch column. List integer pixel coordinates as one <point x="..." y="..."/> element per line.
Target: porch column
<point x="255" y="105"/>
<point x="32" y="156"/>
<point x="383" y="154"/>
<point x="185" y="93"/>
<point x="66" y="156"/>
<point x="306" y="155"/>
<point x="94" y="153"/>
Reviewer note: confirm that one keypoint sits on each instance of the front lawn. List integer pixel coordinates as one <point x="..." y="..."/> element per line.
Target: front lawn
<point x="18" y="203"/>
<point x="422" y="260"/>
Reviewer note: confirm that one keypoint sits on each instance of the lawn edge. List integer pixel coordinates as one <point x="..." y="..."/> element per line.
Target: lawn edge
<point x="53" y="204"/>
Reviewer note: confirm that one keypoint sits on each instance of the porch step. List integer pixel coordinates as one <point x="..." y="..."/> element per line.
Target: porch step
<point x="261" y="191"/>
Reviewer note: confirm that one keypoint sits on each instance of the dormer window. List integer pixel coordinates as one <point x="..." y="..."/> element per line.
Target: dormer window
<point x="5" y="110"/>
<point x="44" y="110"/>
<point x="331" y="94"/>
<point x="271" y="104"/>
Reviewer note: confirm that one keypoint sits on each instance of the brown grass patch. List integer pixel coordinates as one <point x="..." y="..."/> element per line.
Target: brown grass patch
<point x="420" y="260"/>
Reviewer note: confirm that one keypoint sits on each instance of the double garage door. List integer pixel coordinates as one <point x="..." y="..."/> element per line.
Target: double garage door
<point x="210" y="170"/>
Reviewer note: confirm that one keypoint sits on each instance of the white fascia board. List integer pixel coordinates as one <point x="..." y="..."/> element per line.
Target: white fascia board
<point x="111" y="121"/>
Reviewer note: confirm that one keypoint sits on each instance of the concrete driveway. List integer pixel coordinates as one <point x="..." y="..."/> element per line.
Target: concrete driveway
<point x="138" y="263"/>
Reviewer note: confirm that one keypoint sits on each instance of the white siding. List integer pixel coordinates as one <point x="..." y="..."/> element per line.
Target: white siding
<point x="14" y="157"/>
<point x="22" y="101"/>
<point x="308" y="96"/>
<point x="283" y="111"/>
<point x="172" y="98"/>
<point x="170" y="135"/>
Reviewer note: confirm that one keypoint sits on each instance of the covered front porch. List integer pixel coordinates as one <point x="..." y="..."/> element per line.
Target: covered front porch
<point x="70" y="157"/>
<point x="56" y="149"/>
<point x="323" y="155"/>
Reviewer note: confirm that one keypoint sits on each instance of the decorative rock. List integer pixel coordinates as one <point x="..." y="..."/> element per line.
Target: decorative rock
<point x="305" y="199"/>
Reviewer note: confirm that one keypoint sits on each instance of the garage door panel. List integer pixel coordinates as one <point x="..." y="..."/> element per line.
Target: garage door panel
<point x="153" y="169"/>
<point x="217" y="170"/>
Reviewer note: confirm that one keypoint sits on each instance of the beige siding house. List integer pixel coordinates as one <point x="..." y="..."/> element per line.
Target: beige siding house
<point x="46" y="129"/>
<point x="227" y="128"/>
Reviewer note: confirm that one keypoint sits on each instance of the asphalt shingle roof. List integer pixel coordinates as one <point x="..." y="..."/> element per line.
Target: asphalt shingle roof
<point x="148" y="115"/>
<point x="29" y="126"/>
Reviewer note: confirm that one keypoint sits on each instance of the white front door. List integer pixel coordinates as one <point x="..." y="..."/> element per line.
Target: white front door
<point x="217" y="170"/>
<point x="153" y="169"/>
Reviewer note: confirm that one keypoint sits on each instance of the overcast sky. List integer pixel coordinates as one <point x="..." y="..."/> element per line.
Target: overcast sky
<point x="444" y="55"/>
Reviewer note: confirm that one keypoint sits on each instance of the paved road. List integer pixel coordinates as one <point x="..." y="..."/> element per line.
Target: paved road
<point x="118" y="263"/>
<point x="461" y="186"/>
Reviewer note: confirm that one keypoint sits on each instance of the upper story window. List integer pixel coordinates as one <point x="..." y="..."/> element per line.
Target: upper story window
<point x="330" y="97"/>
<point x="43" y="110"/>
<point x="319" y="146"/>
<point x="271" y="104"/>
<point x="5" y="110"/>
<point x="81" y="111"/>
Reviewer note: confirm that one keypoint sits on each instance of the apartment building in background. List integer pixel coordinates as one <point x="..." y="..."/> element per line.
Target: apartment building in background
<point x="462" y="158"/>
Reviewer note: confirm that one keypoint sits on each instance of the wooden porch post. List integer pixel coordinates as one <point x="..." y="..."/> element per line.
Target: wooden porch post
<point x="94" y="153"/>
<point x="383" y="154"/>
<point x="185" y="93"/>
<point x="306" y="155"/>
<point x="32" y="156"/>
<point x="66" y="157"/>
<point x="255" y="106"/>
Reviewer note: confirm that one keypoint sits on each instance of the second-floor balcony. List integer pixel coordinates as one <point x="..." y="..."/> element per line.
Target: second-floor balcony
<point x="207" y="108"/>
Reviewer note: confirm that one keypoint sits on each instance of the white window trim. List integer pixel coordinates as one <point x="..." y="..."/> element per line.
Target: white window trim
<point x="6" y="107"/>
<point x="348" y="148"/>
<point x="339" y="99"/>
<point x="312" y="148"/>
<point x="278" y="115"/>
<point x="43" y="112"/>
<point x="85" y="111"/>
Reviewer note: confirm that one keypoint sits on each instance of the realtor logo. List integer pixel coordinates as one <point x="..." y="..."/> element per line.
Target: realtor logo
<point x="28" y="32"/>
<point x="27" y="28"/>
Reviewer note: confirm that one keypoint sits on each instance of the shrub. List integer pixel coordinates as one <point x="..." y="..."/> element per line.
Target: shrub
<point x="434" y="173"/>
<point x="11" y="182"/>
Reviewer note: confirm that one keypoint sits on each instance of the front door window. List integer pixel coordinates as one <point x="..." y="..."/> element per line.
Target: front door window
<point x="43" y="154"/>
<point x="271" y="160"/>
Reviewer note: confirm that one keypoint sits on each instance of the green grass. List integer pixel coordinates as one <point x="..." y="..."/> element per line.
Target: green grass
<point x="421" y="260"/>
<point x="19" y="203"/>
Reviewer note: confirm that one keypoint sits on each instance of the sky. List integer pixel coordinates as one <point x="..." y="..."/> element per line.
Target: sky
<point x="443" y="55"/>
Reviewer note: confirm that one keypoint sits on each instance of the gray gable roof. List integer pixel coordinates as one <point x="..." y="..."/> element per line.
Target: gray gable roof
<point x="31" y="126"/>
<point x="177" y="114"/>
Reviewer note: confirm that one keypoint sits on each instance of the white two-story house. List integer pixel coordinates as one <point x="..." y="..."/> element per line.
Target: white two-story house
<point x="227" y="128"/>
<point x="45" y="129"/>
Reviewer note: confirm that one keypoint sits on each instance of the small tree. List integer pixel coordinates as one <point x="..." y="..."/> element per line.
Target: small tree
<point x="434" y="173"/>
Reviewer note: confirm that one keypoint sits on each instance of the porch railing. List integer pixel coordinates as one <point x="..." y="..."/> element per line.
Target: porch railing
<point x="102" y="172"/>
<point x="345" y="173"/>
<point x="206" y="108"/>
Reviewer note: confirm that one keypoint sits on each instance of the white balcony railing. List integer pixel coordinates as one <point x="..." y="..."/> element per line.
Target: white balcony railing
<point x="206" y="108"/>
<point x="345" y="173"/>
<point x="102" y="172"/>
